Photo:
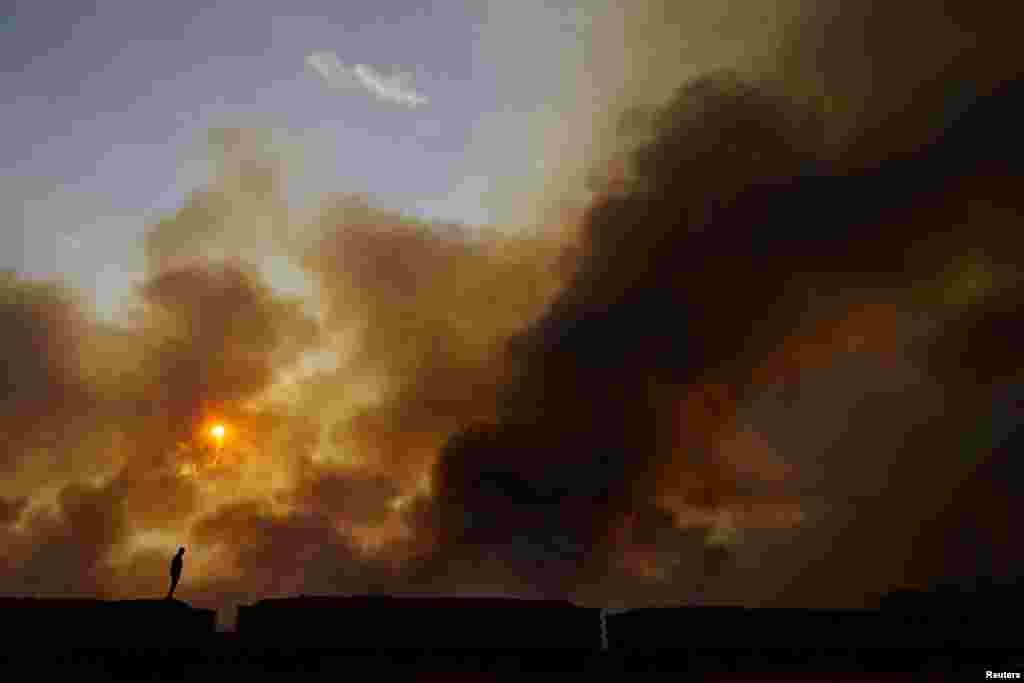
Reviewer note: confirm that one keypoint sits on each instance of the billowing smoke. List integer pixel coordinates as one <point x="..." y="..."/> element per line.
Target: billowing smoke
<point x="744" y="372"/>
<point x="753" y="345"/>
<point x="335" y="403"/>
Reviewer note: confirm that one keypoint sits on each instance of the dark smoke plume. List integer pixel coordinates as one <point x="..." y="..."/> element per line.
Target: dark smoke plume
<point x="783" y="331"/>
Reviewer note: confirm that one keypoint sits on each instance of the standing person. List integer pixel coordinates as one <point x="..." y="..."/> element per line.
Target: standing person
<point x="176" y="565"/>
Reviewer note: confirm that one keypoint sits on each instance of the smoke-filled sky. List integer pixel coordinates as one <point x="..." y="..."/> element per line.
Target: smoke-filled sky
<point x="626" y="303"/>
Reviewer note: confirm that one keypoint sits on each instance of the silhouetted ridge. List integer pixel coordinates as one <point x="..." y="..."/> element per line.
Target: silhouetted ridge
<point x="984" y="599"/>
<point x="77" y="621"/>
<point x="946" y="616"/>
<point x="406" y="621"/>
<point x="739" y="627"/>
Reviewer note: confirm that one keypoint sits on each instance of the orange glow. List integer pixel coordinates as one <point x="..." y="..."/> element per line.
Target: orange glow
<point x="644" y="563"/>
<point x="217" y="432"/>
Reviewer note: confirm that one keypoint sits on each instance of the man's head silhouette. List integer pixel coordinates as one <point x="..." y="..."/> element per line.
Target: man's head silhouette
<point x="181" y="551"/>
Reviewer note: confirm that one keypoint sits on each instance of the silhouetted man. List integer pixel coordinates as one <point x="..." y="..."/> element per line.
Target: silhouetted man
<point x="176" y="565"/>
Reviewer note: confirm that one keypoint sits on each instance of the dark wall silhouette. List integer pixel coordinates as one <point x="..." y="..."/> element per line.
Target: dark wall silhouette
<point x="420" y="622"/>
<point x="738" y="627"/>
<point x="940" y="630"/>
<point x="81" y="622"/>
<point x="943" y="617"/>
<point x="952" y="615"/>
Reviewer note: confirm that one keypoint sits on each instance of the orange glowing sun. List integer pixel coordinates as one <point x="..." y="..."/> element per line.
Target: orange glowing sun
<point x="217" y="431"/>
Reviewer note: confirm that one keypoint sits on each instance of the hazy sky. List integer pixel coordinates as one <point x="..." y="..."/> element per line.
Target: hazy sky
<point x="109" y="101"/>
<point x="732" y="327"/>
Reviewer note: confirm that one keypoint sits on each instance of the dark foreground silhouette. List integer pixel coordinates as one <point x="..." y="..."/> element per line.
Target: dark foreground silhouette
<point x="419" y="622"/>
<point x="98" y="623"/>
<point x="943" y="632"/>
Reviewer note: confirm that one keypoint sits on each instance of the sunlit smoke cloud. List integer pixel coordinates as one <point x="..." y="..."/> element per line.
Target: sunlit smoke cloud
<point x="738" y="362"/>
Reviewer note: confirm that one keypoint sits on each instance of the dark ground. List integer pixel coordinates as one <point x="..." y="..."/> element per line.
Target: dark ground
<point x="229" y="658"/>
<point x="162" y="640"/>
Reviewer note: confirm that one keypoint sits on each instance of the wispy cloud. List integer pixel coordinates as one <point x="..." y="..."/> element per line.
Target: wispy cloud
<point x="329" y="68"/>
<point x="396" y="88"/>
